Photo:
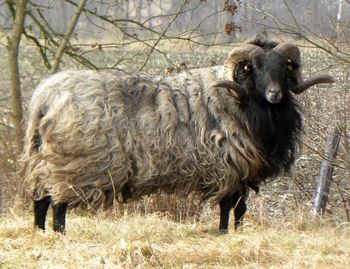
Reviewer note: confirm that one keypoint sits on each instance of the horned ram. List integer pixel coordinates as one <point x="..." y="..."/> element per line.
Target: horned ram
<point x="94" y="135"/>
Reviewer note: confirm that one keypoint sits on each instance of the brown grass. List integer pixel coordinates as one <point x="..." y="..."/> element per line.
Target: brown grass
<point x="154" y="241"/>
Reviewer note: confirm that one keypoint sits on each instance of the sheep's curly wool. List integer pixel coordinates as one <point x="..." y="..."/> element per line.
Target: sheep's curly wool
<point x="94" y="134"/>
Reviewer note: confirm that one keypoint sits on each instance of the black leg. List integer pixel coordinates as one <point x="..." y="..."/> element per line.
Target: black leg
<point x="235" y="201"/>
<point x="40" y="211"/>
<point x="59" y="217"/>
<point x="225" y="208"/>
<point x="240" y="208"/>
<point x="254" y="187"/>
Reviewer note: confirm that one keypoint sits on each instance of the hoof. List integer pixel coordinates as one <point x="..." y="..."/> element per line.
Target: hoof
<point x="223" y="231"/>
<point x="59" y="229"/>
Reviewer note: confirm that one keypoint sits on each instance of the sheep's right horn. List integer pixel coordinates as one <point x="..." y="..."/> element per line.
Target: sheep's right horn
<point x="237" y="90"/>
<point x="303" y="85"/>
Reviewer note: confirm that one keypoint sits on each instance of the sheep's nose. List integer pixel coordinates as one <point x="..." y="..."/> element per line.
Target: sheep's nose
<point x="274" y="93"/>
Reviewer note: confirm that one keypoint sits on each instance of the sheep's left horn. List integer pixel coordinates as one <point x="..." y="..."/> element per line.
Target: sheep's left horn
<point x="292" y="52"/>
<point x="303" y="85"/>
<point x="237" y="90"/>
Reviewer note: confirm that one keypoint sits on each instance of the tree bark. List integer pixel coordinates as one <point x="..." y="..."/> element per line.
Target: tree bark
<point x="13" y="43"/>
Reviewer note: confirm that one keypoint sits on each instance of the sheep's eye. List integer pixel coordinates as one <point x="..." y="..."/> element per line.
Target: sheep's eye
<point x="291" y="66"/>
<point x="248" y="68"/>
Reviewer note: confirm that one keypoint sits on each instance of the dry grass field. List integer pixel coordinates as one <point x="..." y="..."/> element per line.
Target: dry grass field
<point x="155" y="241"/>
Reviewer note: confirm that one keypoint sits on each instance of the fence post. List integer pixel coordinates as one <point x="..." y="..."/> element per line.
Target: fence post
<point x="326" y="171"/>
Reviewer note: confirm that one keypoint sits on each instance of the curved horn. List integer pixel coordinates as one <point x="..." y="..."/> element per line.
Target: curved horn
<point x="292" y="52"/>
<point x="237" y="90"/>
<point x="303" y="85"/>
<point x="244" y="52"/>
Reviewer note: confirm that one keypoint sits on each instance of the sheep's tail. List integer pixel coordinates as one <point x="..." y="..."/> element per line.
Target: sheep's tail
<point x="32" y="135"/>
<point x="33" y="139"/>
<point x="30" y="150"/>
<point x="42" y="96"/>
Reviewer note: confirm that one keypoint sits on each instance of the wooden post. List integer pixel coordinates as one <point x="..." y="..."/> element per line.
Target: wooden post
<point x="326" y="172"/>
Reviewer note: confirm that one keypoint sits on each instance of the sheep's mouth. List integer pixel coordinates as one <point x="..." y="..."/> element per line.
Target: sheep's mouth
<point x="273" y="97"/>
<point x="274" y="100"/>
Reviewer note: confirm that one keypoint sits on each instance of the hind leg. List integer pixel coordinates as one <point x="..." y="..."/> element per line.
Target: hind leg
<point x="59" y="217"/>
<point x="40" y="211"/>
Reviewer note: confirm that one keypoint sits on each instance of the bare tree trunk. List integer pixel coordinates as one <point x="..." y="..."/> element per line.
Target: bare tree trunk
<point x="13" y="43"/>
<point x="139" y="11"/>
<point x="63" y="15"/>
<point x="1" y="198"/>
<point x="127" y="9"/>
<point x="339" y="27"/>
<point x="149" y="11"/>
<point x="64" y="42"/>
<point x="326" y="172"/>
<point x="315" y="13"/>
<point x="125" y="15"/>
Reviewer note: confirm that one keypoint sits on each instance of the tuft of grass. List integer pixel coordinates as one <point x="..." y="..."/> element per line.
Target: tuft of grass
<point x="155" y="241"/>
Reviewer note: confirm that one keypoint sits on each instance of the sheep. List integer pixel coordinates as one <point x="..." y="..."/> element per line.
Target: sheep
<point x="93" y="136"/>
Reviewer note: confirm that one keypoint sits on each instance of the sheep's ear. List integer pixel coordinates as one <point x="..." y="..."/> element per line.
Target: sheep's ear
<point x="237" y="90"/>
<point x="304" y="85"/>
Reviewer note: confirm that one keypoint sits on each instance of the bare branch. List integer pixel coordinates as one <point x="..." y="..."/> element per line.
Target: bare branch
<point x="65" y="40"/>
<point x="163" y="33"/>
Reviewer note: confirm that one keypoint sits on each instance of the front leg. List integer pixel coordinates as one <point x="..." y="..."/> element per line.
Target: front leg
<point x="40" y="211"/>
<point x="59" y="217"/>
<point x="236" y="201"/>
<point x="240" y="207"/>
<point x="225" y="208"/>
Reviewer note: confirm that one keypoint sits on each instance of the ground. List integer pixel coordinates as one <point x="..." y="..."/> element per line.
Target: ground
<point x="155" y="241"/>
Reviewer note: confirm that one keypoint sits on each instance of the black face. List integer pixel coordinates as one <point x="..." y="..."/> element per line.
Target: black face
<point x="270" y="76"/>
